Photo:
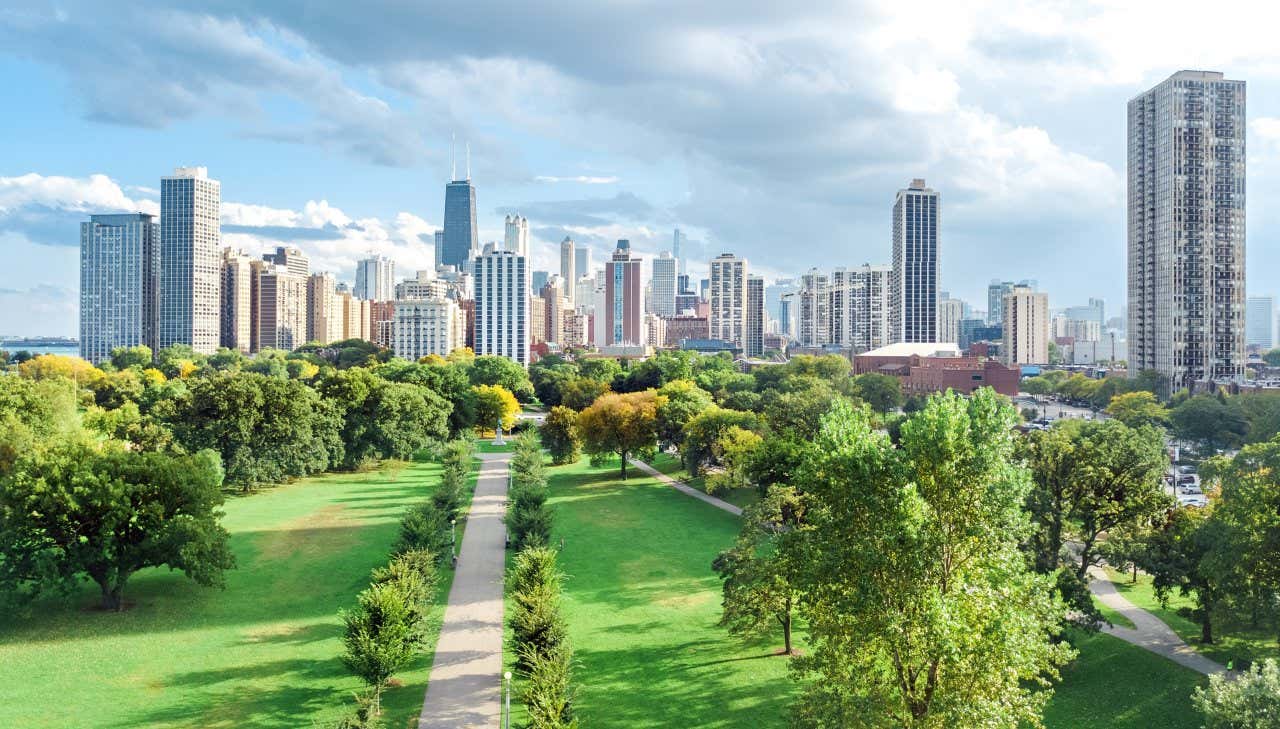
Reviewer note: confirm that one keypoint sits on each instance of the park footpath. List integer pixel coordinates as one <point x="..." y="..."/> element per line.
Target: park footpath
<point x="465" y="688"/>
<point x="1148" y="631"/>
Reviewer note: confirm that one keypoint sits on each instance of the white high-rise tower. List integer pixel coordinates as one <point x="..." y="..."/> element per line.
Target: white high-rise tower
<point x="190" y="260"/>
<point x="517" y="238"/>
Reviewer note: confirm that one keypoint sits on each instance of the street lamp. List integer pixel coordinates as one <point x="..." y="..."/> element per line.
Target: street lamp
<point x="453" y="537"/>
<point x="507" y="676"/>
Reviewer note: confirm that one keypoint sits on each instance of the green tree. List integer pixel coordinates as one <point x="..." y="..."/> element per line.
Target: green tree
<point x="178" y="360"/>
<point x="734" y="450"/>
<point x="382" y="636"/>
<point x="621" y="423"/>
<point x="447" y="379"/>
<point x="578" y="394"/>
<point x="1248" y="509"/>
<point x="921" y="609"/>
<point x="537" y="626"/>
<point x="601" y="369"/>
<point x="1248" y="701"/>
<point x="882" y="392"/>
<point x="382" y="419"/>
<point x="122" y="358"/>
<point x="758" y="591"/>
<point x="1179" y="557"/>
<point x="548" y="692"/>
<point x="684" y="400"/>
<point x="424" y="527"/>
<point x="703" y="432"/>
<point x="492" y="370"/>
<point x="560" y="435"/>
<point x="495" y="404"/>
<point x="1139" y="408"/>
<point x="1272" y="357"/>
<point x="549" y="380"/>
<point x="1214" y="421"/>
<point x="72" y="508"/>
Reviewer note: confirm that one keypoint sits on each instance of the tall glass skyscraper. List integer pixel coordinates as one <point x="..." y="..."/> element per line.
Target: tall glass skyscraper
<point x="913" y="292"/>
<point x="461" y="241"/>
<point x="190" y="260"/>
<point x="1186" y="229"/>
<point x="119" y="268"/>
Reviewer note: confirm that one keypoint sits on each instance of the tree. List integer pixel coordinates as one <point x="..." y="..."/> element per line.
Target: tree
<point x="621" y="424"/>
<point x="548" y="694"/>
<point x="600" y="369"/>
<point x="449" y="380"/>
<point x="426" y="528"/>
<point x="1248" y="701"/>
<point x="882" y="392"/>
<point x="178" y="360"/>
<point x="537" y="627"/>
<point x="684" y="400"/>
<point x="1214" y="421"/>
<point x="382" y="635"/>
<point x="734" y="450"/>
<point x="776" y="461"/>
<point x="560" y="435"/>
<point x="495" y="404"/>
<point x="73" y="508"/>
<point x="1136" y="409"/>
<point x="578" y="394"/>
<point x="490" y="369"/>
<point x="549" y="380"/>
<point x="703" y="432"/>
<point x="758" y="592"/>
<point x="384" y="419"/>
<point x="1272" y="357"/>
<point x="921" y="609"/>
<point x="799" y="409"/>
<point x="122" y="358"/>
<point x="49" y="366"/>
<point x="1178" y="557"/>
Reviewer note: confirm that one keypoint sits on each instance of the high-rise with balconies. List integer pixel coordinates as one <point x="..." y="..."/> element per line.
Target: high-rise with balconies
<point x="1187" y="229"/>
<point x="119" y="267"/>
<point x="190" y="260"/>
<point x="913" y="291"/>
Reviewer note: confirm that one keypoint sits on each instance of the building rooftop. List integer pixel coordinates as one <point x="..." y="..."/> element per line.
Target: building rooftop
<point x="921" y="349"/>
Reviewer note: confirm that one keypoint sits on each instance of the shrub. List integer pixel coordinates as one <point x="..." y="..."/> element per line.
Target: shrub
<point x="548" y="695"/>
<point x="1251" y="700"/>
<point x="424" y="527"/>
<point x="382" y="635"/>
<point x="560" y="436"/>
<point x="536" y="623"/>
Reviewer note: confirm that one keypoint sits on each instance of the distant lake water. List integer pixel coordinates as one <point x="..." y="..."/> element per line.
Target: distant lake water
<point x="71" y="350"/>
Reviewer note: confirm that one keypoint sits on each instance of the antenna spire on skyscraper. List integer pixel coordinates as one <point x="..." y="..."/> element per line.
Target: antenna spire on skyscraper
<point x="468" y="161"/>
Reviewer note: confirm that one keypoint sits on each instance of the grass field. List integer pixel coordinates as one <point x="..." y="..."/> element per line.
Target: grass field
<point x="262" y="653"/>
<point x="642" y="605"/>
<point x="1234" y="643"/>
<point x="671" y="466"/>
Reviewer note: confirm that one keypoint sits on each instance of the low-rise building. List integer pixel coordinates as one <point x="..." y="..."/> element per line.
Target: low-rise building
<point x="925" y="368"/>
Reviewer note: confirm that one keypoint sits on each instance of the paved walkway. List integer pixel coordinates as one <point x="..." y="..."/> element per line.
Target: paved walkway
<point x="686" y="488"/>
<point x="465" y="689"/>
<point x="1148" y="631"/>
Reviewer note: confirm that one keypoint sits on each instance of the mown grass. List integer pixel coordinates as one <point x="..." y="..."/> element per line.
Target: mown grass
<point x="642" y="605"/>
<point x="264" y="652"/>
<point x="1234" y="642"/>
<point x="671" y="466"/>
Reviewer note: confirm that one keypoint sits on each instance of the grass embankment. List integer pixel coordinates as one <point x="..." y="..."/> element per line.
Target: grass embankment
<point x="642" y="604"/>
<point x="1234" y="642"/>
<point x="263" y="653"/>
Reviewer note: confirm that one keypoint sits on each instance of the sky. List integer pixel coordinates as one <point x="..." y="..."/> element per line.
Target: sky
<point x="776" y="133"/>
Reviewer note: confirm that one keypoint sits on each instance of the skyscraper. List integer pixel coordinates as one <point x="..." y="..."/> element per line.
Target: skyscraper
<point x="119" y="269"/>
<point x="664" y="285"/>
<point x="324" y="311"/>
<point x="427" y="326"/>
<point x="728" y="294"/>
<point x="678" y="240"/>
<point x="190" y="260"/>
<point x="517" y="235"/>
<point x="502" y="304"/>
<point x="438" y="238"/>
<point x="996" y="291"/>
<point x="622" y="317"/>
<point x="914" y="289"/>
<point x="292" y="258"/>
<point x="755" y="317"/>
<point x="1187" y="229"/>
<point x="461" y="240"/>
<point x="1026" y="327"/>
<point x="237" y="301"/>
<point x="582" y="261"/>
<point x="569" y="269"/>
<point x="950" y="312"/>
<point x="1260" y="322"/>
<point x="376" y="278"/>
<point x="280" y="307"/>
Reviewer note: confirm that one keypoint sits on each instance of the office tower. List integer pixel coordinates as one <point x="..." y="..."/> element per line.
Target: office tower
<point x="583" y="294"/>
<point x="569" y="269"/>
<point x="353" y="314"/>
<point x="686" y="298"/>
<point x="517" y="237"/>
<point x="678" y="241"/>
<point x="501" y="304"/>
<point x="237" y="301"/>
<point x="914" y="289"/>
<point x="424" y="285"/>
<point x="422" y="327"/>
<point x="538" y="279"/>
<point x="1095" y="311"/>
<point x="755" y="317"/>
<point x="190" y="260"/>
<point x="1187" y="229"/>
<point x="439" y="246"/>
<point x="1026" y="327"/>
<point x="280" y="307"/>
<point x="1077" y="330"/>
<point x="1260" y="322"/>
<point x="461" y="240"/>
<point x="376" y="278"/>
<point x="813" y="309"/>
<point x="773" y="294"/>
<point x="323" y="325"/>
<point x="537" y="321"/>
<point x="950" y="312"/>
<point x="728" y="292"/>
<point x="788" y="322"/>
<point x="119" y="269"/>
<point x="582" y="260"/>
<point x="555" y="304"/>
<point x="704" y="289"/>
<point x="292" y="258"/>
<point x="996" y="291"/>
<point x="664" y="285"/>
<point x="623" y="314"/>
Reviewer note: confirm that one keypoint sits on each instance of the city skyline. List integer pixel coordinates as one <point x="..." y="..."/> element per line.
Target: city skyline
<point x="1030" y="156"/>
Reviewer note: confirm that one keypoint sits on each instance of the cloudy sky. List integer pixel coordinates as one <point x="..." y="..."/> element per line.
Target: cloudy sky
<point x="773" y="133"/>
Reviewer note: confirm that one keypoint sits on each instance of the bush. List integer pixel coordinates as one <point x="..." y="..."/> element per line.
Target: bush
<point x="536" y="623"/>
<point x="530" y="525"/>
<point x="425" y="528"/>
<point x="548" y="694"/>
<point x="560" y="436"/>
<point x="382" y="635"/>
<point x="1250" y="701"/>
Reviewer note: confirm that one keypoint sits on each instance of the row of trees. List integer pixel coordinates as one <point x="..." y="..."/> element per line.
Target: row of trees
<point x="544" y="657"/>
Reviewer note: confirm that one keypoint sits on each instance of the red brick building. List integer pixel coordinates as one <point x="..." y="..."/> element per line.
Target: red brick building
<point x="928" y="368"/>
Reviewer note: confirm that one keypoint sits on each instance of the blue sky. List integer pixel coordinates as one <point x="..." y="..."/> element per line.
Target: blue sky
<point x="774" y="133"/>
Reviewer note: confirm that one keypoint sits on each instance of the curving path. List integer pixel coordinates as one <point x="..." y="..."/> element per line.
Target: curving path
<point x="1149" y="632"/>
<point x="465" y="688"/>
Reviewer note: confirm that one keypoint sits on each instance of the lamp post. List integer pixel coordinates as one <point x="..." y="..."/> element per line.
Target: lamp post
<point x="453" y="536"/>
<point x="507" y="723"/>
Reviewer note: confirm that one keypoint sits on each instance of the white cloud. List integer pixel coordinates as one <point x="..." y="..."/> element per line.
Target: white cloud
<point x="92" y="194"/>
<point x="581" y="179"/>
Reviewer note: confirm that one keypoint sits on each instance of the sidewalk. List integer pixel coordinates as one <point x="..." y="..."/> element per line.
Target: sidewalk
<point x="465" y="688"/>
<point x="685" y="488"/>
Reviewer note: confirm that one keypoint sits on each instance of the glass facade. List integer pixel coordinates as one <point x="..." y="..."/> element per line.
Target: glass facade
<point x="914" y="290"/>
<point x="119" y="269"/>
<point x="461" y="240"/>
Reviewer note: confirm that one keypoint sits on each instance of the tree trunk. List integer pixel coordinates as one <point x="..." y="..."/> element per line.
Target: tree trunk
<point x="111" y="595"/>
<point x="1135" y="574"/>
<point x="623" y="460"/>
<point x="1206" y="630"/>
<point x="786" y="633"/>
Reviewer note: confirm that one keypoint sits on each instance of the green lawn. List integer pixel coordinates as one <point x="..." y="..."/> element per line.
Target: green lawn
<point x="671" y="466"/>
<point x="1235" y="643"/>
<point x="262" y="653"/>
<point x="642" y="605"/>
